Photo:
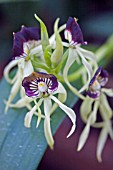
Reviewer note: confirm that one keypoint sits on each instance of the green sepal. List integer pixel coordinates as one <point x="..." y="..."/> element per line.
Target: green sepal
<point x="45" y="42"/>
<point x="58" y="52"/>
<point x="47" y="55"/>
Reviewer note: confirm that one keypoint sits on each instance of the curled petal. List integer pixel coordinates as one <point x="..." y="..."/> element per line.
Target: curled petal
<point x="70" y="61"/>
<point x="69" y="112"/>
<point x="47" y="127"/>
<point x="87" y="54"/>
<point x="62" y="96"/>
<point x="13" y="93"/>
<point x="7" y="70"/>
<point x="88" y="68"/>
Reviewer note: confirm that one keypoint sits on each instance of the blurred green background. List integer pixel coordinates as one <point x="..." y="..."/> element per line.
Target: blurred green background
<point x="95" y="18"/>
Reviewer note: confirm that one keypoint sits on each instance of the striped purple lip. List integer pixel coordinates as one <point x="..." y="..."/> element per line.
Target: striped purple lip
<point x="40" y="84"/>
<point x="73" y="32"/>
<point x="97" y="82"/>
<point x="24" y="40"/>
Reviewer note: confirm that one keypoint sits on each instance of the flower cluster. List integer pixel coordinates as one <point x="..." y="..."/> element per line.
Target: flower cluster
<point x="43" y="63"/>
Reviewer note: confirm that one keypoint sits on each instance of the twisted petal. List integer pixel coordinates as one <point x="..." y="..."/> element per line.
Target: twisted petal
<point x="70" y="61"/>
<point x="47" y="127"/>
<point x="73" y="32"/>
<point x="20" y="38"/>
<point x="7" y="70"/>
<point x="87" y="54"/>
<point x="88" y="68"/>
<point x="69" y="112"/>
<point x="62" y="96"/>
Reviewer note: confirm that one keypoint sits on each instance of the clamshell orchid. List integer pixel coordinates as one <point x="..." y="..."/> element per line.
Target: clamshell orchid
<point x="95" y="101"/>
<point x="42" y="87"/>
<point x="24" y="40"/>
<point x="97" y="82"/>
<point x="74" y="35"/>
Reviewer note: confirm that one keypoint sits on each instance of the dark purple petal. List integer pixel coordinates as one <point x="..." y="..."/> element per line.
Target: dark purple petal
<point x="99" y="80"/>
<point x="25" y="35"/>
<point x="101" y="76"/>
<point x="75" y="32"/>
<point x="31" y="83"/>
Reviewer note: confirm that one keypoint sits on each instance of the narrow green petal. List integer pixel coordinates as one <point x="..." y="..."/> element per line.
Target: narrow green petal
<point x="45" y="41"/>
<point x="101" y="142"/>
<point x="58" y="52"/>
<point x="44" y="33"/>
<point x="69" y="112"/>
<point x="47" y="127"/>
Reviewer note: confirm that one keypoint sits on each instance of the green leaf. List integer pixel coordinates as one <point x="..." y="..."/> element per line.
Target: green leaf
<point x="20" y="147"/>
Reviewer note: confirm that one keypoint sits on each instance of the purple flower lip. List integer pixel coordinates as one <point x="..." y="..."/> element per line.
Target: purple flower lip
<point x="40" y="84"/>
<point x="73" y="32"/>
<point x="98" y="81"/>
<point x="24" y="39"/>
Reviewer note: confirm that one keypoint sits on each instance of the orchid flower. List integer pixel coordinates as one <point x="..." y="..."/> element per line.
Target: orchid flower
<point x="41" y="88"/>
<point x="96" y="100"/>
<point x="74" y="35"/>
<point x="24" y="40"/>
